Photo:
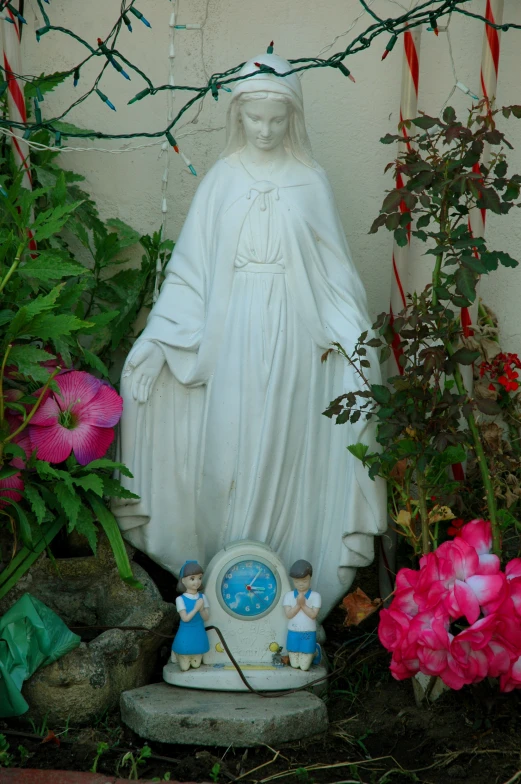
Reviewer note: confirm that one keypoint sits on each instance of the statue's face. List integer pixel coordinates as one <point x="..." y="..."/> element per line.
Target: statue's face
<point x="192" y="582"/>
<point x="302" y="584"/>
<point x="265" y="122"/>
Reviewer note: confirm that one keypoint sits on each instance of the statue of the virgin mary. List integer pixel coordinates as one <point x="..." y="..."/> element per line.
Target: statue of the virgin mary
<point x="224" y="390"/>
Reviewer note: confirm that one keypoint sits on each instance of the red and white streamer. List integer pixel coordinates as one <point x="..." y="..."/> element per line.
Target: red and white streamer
<point x="489" y="76"/>
<point x="408" y="110"/>
<point x="12" y="62"/>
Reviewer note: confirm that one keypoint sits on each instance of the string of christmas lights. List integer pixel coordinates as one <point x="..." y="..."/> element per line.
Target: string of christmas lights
<point x="426" y="13"/>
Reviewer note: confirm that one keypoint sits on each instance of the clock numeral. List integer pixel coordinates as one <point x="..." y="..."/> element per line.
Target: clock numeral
<point x="229" y="575"/>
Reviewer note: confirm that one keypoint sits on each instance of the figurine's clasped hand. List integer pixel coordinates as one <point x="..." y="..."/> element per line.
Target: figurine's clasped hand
<point x="144" y="365"/>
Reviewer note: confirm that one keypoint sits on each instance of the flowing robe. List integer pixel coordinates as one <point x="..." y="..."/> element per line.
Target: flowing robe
<point x="232" y="443"/>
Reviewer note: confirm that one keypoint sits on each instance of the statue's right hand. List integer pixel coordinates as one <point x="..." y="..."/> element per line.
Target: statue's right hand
<point x="144" y="365"/>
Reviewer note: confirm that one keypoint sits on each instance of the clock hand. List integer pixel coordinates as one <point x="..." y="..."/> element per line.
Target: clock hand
<point x="259" y="572"/>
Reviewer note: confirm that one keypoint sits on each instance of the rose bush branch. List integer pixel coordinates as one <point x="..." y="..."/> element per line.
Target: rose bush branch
<point x="419" y="412"/>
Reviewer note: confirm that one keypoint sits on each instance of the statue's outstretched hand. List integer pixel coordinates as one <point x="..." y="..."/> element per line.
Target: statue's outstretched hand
<point x="144" y="365"/>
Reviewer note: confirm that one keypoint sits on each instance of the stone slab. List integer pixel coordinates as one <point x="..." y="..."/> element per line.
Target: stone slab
<point x="169" y="714"/>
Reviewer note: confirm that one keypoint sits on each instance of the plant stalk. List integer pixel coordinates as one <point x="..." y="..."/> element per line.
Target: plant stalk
<point x="424" y="515"/>
<point x="13" y="267"/>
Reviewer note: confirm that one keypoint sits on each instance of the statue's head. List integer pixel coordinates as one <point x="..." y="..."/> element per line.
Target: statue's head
<point x="190" y="576"/>
<point x="263" y="96"/>
<point x="301" y="572"/>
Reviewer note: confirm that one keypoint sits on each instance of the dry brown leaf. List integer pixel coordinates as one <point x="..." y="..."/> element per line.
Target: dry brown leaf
<point x="510" y="498"/>
<point x="404" y="518"/>
<point x="51" y="738"/>
<point x="482" y="392"/>
<point x="490" y="348"/>
<point x="439" y="513"/>
<point x="493" y="435"/>
<point x="398" y="471"/>
<point x="358" y="607"/>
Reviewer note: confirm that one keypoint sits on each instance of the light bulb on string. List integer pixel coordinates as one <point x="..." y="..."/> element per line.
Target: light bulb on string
<point x="172" y="141"/>
<point x="57" y="139"/>
<point x="269" y="50"/>
<point x="40" y="32"/>
<point x="110" y="58"/>
<point x="341" y="67"/>
<point x="39" y="94"/>
<point x="390" y="46"/>
<point x="7" y="19"/>
<point x="127" y="22"/>
<point x="37" y="112"/>
<point x="139" y="96"/>
<point x="139" y="15"/>
<point x="434" y="24"/>
<point x="466" y="90"/>
<point x="15" y="12"/>
<point x="76" y="76"/>
<point x="188" y="27"/>
<point x="105" y="99"/>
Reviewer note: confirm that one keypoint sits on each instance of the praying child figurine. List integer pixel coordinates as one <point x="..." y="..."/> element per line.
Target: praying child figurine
<point x="191" y="640"/>
<point x="301" y="607"/>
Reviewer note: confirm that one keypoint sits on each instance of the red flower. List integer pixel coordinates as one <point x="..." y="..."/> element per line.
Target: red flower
<point x="456" y="526"/>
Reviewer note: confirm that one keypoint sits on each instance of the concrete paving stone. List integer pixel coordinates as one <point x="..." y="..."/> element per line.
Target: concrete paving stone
<point x="170" y="714"/>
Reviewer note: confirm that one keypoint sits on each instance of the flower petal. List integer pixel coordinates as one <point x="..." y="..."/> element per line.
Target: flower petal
<point x="51" y="443"/>
<point x="47" y="413"/>
<point x="489" y="589"/>
<point x="478" y="533"/>
<point x="90" y="443"/>
<point x="77" y="386"/>
<point x="104" y="410"/>
<point x="462" y="601"/>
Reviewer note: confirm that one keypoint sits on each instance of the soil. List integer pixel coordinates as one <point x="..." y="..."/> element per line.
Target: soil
<point x="377" y="734"/>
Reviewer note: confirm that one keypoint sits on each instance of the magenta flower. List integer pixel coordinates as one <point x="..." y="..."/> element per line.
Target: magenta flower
<point x="478" y="533"/>
<point x="80" y="419"/>
<point x="11" y="488"/>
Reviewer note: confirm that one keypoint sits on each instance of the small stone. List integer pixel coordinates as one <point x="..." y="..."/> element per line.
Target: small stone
<point x="168" y="714"/>
<point x="456" y="772"/>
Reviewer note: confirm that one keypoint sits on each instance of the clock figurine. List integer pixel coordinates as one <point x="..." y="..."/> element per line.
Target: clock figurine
<point x="246" y="583"/>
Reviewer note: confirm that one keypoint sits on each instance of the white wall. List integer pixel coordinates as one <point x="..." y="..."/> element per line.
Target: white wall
<point x="345" y="121"/>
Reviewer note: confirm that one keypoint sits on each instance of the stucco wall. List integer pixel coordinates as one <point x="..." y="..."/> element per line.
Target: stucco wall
<point x="345" y="121"/>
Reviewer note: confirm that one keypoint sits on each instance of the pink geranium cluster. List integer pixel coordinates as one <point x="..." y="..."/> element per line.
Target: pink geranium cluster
<point x="459" y="616"/>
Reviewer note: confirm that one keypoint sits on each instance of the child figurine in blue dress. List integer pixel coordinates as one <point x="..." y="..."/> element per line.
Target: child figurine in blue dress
<point x="191" y="640"/>
<point x="301" y="607"/>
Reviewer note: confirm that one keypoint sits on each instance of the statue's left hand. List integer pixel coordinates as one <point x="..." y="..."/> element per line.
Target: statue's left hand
<point x="145" y="363"/>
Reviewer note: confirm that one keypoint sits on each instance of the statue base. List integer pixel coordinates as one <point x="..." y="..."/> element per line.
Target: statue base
<point x="167" y="714"/>
<point x="263" y="677"/>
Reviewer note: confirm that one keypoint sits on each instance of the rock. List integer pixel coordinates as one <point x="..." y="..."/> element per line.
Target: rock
<point x="88" y="591"/>
<point x="168" y="714"/>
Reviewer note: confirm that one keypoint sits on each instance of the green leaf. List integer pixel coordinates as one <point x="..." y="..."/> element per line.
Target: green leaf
<point x="25" y="558"/>
<point x="465" y="356"/>
<point x="27" y="359"/>
<point x="377" y="223"/>
<point x="505" y="259"/>
<point x="392" y="200"/>
<point x="381" y="394"/>
<point x="23" y="523"/>
<point x="90" y="482"/>
<point x="100" y="320"/>
<point x="52" y="221"/>
<point x="489" y="407"/>
<point x="6" y="472"/>
<point x="466" y="281"/>
<point x="127" y="236"/>
<point x="474" y="264"/>
<point x="51" y="266"/>
<point x="110" y="526"/>
<point x="70" y="502"/>
<point x="400" y="237"/>
<point x="36" y="501"/>
<point x="57" y="325"/>
<point x="500" y="169"/>
<point x="393" y="221"/>
<point x="95" y="362"/>
<point x="423" y="221"/>
<point x="45" y="83"/>
<point x="114" y="489"/>
<point x="110" y="464"/>
<point x="449" y="115"/>
<point x="426" y="122"/>
<point x="47" y="471"/>
<point x="85" y="526"/>
<point x="358" y="450"/>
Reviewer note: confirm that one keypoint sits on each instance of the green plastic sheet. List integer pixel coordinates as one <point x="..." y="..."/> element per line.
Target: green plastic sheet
<point x="31" y="636"/>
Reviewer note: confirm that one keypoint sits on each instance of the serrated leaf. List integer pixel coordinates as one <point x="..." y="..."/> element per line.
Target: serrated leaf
<point x="104" y="462"/>
<point x="466" y="281"/>
<point x="100" y="320"/>
<point x="51" y="267"/>
<point x="95" y="362"/>
<point x="127" y="236"/>
<point x="56" y="325"/>
<point x="86" y="527"/>
<point x="425" y="122"/>
<point x="381" y="394"/>
<point x="449" y="115"/>
<point x="489" y="407"/>
<point x="465" y="356"/>
<point x="392" y="200"/>
<point x="474" y="264"/>
<point x="50" y="222"/>
<point x="27" y="358"/>
<point x="36" y="501"/>
<point x="70" y="502"/>
<point x="47" y="471"/>
<point x="44" y="83"/>
<point x="90" y="482"/>
<point x="400" y="237"/>
<point x="114" y="489"/>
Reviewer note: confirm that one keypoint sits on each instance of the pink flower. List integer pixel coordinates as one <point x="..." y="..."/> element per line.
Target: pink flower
<point x="11" y="487"/>
<point x="466" y="588"/>
<point x="80" y="419"/>
<point x="511" y="679"/>
<point x="392" y="628"/>
<point x="478" y="533"/>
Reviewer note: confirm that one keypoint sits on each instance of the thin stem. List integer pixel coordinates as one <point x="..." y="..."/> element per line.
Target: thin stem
<point x="13" y="267"/>
<point x="424" y="515"/>
<point x="34" y="409"/>
<point x="2" y="369"/>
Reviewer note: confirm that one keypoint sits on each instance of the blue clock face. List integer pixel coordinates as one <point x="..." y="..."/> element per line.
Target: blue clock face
<point x="248" y="588"/>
